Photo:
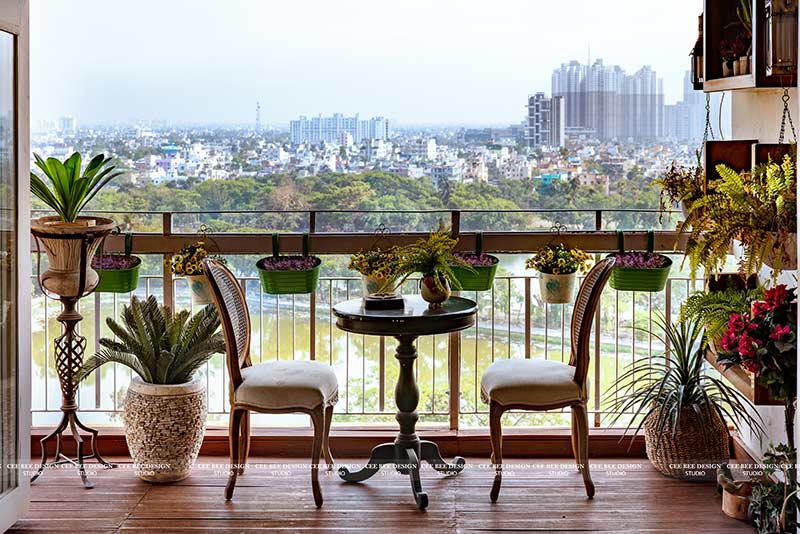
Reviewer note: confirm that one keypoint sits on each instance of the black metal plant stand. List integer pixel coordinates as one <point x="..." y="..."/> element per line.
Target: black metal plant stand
<point x="69" y="349"/>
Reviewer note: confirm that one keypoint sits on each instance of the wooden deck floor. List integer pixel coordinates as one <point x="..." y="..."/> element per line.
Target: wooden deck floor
<point x="274" y="497"/>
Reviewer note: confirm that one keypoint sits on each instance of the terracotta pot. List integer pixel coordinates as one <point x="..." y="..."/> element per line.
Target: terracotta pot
<point x="199" y="290"/>
<point x="62" y="276"/>
<point x="164" y="428"/>
<point x="432" y="294"/>
<point x="557" y="288"/>
<point x="372" y="285"/>
<point x="737" y="505"/>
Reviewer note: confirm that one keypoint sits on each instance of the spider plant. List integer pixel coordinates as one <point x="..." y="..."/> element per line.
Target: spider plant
<point x="159" y="346"/>
<point x="664" y="387"/>
<point x="71" y="189"/>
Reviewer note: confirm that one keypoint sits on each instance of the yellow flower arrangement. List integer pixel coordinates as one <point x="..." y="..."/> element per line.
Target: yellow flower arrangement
<point x="558" y="259"/>
<point x="188" y="260"/>
<point x="379" y="264"/>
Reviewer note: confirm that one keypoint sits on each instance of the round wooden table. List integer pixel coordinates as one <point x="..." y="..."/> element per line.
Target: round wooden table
<point x="406" y="325"/>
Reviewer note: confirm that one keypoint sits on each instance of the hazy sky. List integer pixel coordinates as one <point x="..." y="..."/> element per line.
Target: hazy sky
<point x="415" y="61"/>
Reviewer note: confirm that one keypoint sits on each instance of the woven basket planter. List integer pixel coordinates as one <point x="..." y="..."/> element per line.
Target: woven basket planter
<point x="164" y="428"/>
<point x="698" y="442"/>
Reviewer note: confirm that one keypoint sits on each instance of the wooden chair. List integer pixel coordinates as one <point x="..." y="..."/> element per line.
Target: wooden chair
<point x="272" y="387"/>
<point x="535" y="384"/>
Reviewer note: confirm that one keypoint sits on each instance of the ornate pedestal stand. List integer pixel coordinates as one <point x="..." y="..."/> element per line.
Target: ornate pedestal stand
<point x="69" y="347"/>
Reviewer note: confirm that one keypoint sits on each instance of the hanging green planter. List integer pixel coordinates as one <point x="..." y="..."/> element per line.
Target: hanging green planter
<point x="289" y="275"/>
<point x="119" y="273"/>
<point x="485" y="266"/>
<point x="639" y="271"/>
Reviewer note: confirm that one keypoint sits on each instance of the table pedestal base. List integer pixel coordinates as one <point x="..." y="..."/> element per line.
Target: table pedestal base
<point x="407" y="458"/>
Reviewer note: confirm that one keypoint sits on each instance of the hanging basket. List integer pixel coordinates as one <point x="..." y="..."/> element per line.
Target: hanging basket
<point x="117" y="280"/>
<point x="557" y="288"/>
<point x="639" y="279"/>
<point x="483" y="277"/>
<point x="276" y="281"/>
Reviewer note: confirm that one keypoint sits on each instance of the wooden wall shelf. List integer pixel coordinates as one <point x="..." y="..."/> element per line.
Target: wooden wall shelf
<point x="720" y="21"/>
<point x="743" y="380"/>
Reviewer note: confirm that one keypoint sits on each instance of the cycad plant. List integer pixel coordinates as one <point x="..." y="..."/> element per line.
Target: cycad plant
<point x="665" y="386"/>
<point x="71" y="189"/>
<point x="759" y="208"/>
<point x="159" y="346"/>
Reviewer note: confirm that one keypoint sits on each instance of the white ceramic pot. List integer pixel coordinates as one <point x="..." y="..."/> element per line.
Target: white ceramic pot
<point x="164" y="428"/>
<point x="199" y="289"/>
<point x="727" y="68"/>
<point x="557" y="288"/>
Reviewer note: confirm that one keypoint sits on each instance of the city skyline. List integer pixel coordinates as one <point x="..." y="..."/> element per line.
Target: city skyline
<point x="446" y="63"/>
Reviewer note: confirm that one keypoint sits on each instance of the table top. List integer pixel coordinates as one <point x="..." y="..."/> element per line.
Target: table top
<point x="416" y="318"/>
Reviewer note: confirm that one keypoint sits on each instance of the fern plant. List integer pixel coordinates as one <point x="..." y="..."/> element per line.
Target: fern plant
<point x="432" y="257"/>
<point x="758" y="208"/>
<point x="713" y="309"/>
<point x="159" y="346"/>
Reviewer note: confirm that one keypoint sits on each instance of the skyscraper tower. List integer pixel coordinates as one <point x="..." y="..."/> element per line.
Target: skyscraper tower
<point x="258" y="116"/>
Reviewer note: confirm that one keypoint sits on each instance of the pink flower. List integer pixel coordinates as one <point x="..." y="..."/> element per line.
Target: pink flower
<point x="776" y="296"/>
<point x="780" y="332"/>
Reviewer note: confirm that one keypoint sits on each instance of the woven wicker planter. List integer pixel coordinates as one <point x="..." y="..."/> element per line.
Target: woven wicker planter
<point x="698" y="447"/>
<point x="62" y="242"/>
<point x="164" y="428"/>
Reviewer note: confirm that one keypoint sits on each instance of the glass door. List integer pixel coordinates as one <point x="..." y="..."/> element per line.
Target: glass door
<point x="9" y="414"/>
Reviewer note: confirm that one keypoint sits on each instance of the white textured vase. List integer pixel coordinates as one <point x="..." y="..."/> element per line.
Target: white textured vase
<point x="199" y="289"/>
<point x="164" y="428"/>
<point x="557" y="288"/>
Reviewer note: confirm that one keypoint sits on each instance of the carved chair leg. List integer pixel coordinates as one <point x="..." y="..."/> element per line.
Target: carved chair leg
<point x="234" y="429"/>
<point x="326" y="448"/>
<point x="244" y="440"/>
<point x="581" y="417"/>
<point x="318" y="419"/>
<point x="574" y="433"/>
<point x="496" y="432"/>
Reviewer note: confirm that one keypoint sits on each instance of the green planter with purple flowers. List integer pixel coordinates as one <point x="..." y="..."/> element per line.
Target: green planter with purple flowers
<point x="485" y="266"/>
<point x="639" y="271"/>
<point x="119" y="273"/>
<point x="289" y="275"/>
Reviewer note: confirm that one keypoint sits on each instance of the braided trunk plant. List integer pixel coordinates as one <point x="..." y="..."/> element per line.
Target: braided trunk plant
<point x="159" y="346"/>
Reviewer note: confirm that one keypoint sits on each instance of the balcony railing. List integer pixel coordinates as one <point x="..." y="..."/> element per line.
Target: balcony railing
<point x="512" y="320"/>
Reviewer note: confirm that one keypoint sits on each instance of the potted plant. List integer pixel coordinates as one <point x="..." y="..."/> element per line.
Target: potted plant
<point x="119" y="273"/>
<point x="681" y="405"/>
<point x="188" y="262"/>
<point x="484" y="267"/>
<point x="639" y="271"/>
<point x="70" y="239"/>
<point x="558" y="267"/>
<point x="773" y="502"/>
<point x="378" y="269"/>
<point x="758" y="209"/>
<point x="764" y="341"/>
<point x="681" y="186"/>
<point x="714" y="308"/>
<point x="730" y="50"/>
<point x="433" y="258"/>
<point x="165" y="407"/>
<point x="289" y="275"/>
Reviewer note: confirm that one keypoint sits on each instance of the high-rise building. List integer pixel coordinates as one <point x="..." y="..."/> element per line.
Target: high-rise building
<point x="545" y="121"/>
<point x="67" y="124"/>
<point x="686" y="120"/>
<point x="328" y="129"/>
<point x="611" y="104"/>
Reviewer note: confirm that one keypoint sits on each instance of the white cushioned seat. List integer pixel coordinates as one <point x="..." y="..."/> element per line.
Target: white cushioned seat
<point x="287" y="384"/>
<point x="532" y="382"/>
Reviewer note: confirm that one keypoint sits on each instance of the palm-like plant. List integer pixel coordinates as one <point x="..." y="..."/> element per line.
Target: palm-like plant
<point x="161" y="347"/>
<point x="663" y="388"/>
<point x="71" y="188"/>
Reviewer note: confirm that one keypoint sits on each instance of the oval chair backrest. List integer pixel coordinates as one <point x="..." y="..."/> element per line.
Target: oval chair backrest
<point x="583" y="314"/>
<point x="232" y="307"/>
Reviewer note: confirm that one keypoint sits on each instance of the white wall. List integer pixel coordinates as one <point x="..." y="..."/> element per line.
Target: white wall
<point x="757" y="114"/>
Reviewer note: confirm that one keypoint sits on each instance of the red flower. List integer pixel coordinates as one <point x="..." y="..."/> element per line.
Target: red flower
<point x="780" y="332"/>
<point x="776" y="296"/>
